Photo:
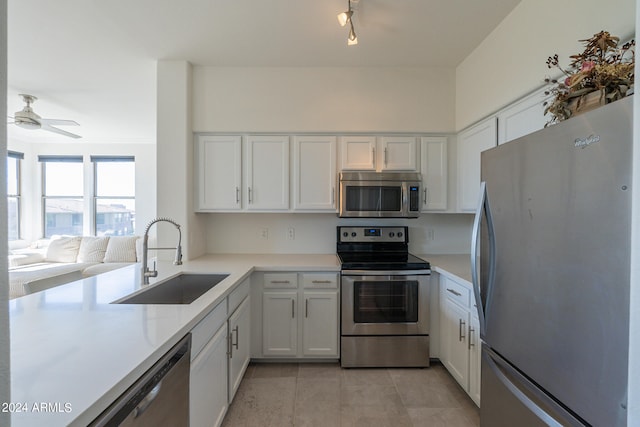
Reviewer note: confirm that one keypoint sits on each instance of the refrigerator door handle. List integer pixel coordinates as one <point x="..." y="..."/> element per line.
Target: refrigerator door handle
<point x="483" y="207"/>
<point x="519" y="394"/>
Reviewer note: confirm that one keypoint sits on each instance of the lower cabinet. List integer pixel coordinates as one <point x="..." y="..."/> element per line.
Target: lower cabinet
<point x="220" y="353"/>
<point x="299" y="315"/>
<point x="460" y="335"/>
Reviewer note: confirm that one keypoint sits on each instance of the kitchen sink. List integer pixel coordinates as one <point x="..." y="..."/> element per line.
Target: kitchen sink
<point x="182" y="289"/>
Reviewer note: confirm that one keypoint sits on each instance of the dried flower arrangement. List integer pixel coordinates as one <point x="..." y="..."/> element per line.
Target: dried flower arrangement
<point x="602" y="67"/>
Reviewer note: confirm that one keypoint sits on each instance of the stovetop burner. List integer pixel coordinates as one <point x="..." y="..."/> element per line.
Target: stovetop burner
<point x="376" y="248"/>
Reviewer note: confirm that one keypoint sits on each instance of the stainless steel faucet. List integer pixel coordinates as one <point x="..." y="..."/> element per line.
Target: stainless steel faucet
<point x="146" y="273"/>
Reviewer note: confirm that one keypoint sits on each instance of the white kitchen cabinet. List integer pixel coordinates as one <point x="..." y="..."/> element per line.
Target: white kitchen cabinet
<point x="300" y="315"/>
<point x="280" y="324"/>
<point x="522" y="117"/>
<point x="358" y="153"/>
<point x="208" y="383"/>
<point x="267" y="172"/>
<point x="314" y="182"/>
<point x="239" y="345"/>
<point x="218" y="173"/>
<point x="460" y="348"/>
<point x="368" y="153"/>
<point x="398" y="153"/>
<point x="320" y="323"/>
<point x="434" y="173"/>
<point x="471" y="142"/>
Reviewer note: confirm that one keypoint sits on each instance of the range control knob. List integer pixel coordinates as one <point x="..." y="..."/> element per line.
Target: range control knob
<point x="399" y="233"/>
<point x="353" y="234"/>
<point x="391" y="234"/>
<point x="345" y="234"/>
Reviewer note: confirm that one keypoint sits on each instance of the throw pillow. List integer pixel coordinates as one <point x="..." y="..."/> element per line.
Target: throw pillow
<point x="63" y="249"/>
<point x="92" y="249"/>
<point x="121" y="249"/>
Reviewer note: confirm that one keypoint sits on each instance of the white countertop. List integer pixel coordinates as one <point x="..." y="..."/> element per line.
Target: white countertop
<point x="75" y="352"/>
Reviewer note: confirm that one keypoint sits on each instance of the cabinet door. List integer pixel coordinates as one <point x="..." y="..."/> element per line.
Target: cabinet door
<point x="239" y="343"/>
<point x="434" y="173"/>
<point x="471" y="143"/>
<point x="208" y="383"/>
<point x="399" y="153"/>
<point x="358" y="153"/>
<point x="314" y="180"/>
<point x="475" y="352"/>
<point x="218" y="172"/>
<point x="522" y="117"/>
<point x="457" y="361"/>
<point x="280" y="323"/>
<point x="320" y="324"/>
<point x="267" y="172"/>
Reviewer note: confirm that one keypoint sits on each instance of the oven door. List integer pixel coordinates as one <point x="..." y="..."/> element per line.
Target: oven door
<point x="385" y="303"/>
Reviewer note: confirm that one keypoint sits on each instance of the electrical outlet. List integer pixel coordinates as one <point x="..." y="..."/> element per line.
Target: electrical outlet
<point x="291" y="233"/>
<point x="264" y="233"/>
<point x="430" y="234"/>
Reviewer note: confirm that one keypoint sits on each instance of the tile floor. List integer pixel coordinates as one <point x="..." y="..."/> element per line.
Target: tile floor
<point x="324" y="395"/>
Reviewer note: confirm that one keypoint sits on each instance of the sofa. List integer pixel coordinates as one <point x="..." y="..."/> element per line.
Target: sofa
<point x="63" y="259"/>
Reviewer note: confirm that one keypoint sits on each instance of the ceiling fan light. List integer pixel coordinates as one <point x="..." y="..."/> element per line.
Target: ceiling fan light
<point x="352" y="39"/>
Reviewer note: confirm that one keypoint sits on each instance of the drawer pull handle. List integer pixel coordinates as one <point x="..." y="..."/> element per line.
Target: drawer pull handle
<point x="321" y="281"/>
<point x="279" y="282"/>
<point x="458" y="294"/>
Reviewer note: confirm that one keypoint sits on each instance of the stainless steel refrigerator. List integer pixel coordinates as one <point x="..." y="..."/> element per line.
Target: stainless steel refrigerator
<point x="553" y="229"/>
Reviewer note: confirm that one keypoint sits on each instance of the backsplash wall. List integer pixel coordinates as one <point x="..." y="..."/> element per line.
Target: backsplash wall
<point x="316" y="233"/>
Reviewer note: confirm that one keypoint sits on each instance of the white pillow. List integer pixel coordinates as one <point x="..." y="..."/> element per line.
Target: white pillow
<point x="63" y="249"/>
<point x="92" y="249"/>
<point x="121" y="249"/>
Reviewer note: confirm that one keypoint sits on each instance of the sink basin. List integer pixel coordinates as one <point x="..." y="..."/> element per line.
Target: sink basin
<point x="182" y="289"/>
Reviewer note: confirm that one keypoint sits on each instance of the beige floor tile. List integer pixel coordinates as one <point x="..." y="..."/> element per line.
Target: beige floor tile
<point x="440" y="417"/>
<point x="275" y="370"/>
<point x="263" y="402"/>
<point x="317" y="402"/>
<point x="364" y="376"/>
<point x="319" y="370"/>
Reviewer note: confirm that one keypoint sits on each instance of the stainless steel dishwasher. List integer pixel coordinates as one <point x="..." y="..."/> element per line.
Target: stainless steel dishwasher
<point x="159" y="398"/>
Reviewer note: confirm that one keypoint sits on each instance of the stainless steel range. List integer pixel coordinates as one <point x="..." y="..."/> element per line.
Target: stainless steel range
<point x="384" y="299"/>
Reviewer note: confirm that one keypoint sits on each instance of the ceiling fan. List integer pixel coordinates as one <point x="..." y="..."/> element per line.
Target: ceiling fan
<point x="28" y="119"/>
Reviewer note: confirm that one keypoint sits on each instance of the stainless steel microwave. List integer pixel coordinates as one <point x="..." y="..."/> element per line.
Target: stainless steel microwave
<point x="380" y="194"/>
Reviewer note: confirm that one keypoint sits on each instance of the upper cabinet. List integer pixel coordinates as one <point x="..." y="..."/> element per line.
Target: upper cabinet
<point x="314" y="179"/>
<point x="218" y="176"/>
<point x="522" y="117"/>
<point x="471" y="142"/>
<point x="267" y="172"/>
<point x="368" y="153"/>
<point x="433" y="167"/>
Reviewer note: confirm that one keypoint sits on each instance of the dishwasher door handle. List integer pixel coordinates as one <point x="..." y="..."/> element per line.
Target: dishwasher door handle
<point x="147" y="401"/>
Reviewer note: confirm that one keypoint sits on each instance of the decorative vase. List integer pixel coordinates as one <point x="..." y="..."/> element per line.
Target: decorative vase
<point x="587" y="102"/>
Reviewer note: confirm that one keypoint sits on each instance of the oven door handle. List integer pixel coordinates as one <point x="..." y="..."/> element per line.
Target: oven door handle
<point x="425" y="272"/>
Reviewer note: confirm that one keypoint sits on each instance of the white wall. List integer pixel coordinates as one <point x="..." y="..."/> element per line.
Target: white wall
<point x="316" y="233"/>
<point x="323" y="99"/>
<point x="32" y="179"/>
<point x="175" y="160"/>
<point x="511" y="61"/>
<point x="5" y="382"/>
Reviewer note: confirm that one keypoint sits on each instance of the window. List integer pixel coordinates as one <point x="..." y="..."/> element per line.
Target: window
<point x="13" y="194"/>
<point x="114" y="195"/>
<point x="62" y="194"/>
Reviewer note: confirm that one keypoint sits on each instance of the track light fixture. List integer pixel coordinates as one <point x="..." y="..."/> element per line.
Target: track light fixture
<point x="343" y="19"/>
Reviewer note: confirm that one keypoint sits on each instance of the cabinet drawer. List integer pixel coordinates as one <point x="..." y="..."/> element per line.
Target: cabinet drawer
<point x="204" y="331"/>
<point x="280" y="280"/>
<point x="320" y="280"/>
<point x="457" y="292"/>
<point x="238" y="295"/>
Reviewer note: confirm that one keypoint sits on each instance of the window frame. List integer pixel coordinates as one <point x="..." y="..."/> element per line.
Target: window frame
<point x="18" y="157"/>
<point x="44" y="159"/>
<point x="94" y="206"/>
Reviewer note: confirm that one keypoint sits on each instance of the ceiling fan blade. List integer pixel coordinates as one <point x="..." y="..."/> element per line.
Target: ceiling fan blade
<point x="48" y="127"/>
<point x="57" y="122"/>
